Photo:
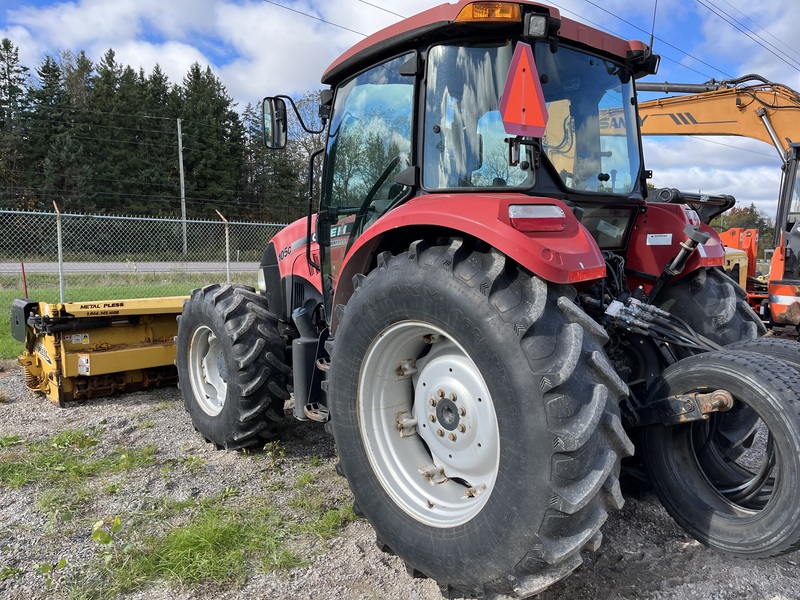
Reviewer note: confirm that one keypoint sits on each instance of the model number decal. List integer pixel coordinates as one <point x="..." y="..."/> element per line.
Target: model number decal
<point x="284" y="253"/>
<point x="42" y="351"/>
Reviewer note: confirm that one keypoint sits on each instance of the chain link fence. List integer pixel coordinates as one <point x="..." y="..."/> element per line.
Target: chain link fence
<point x="74" y="257"/>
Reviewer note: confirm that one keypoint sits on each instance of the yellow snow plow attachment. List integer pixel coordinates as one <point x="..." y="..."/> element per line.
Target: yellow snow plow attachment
<point x="79" y="350"/>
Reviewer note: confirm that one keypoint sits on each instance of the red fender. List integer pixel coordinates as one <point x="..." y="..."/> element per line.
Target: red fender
<point x="568" y="257"/>
<point x="655" y="241"/>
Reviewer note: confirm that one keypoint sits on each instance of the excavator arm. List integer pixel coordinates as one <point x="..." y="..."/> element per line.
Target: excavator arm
<point x="750" y="106"/>
<point x="756" y="108"/>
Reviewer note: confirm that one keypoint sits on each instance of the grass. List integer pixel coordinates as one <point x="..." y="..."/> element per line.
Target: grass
<point x="65" y="458"/>
<point x="43" y="287"/>
<point x="220" y="546"/>
<point x="215" y="541"/>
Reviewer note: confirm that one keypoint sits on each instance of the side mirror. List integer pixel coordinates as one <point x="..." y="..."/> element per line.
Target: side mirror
<point x="274" y="122"/>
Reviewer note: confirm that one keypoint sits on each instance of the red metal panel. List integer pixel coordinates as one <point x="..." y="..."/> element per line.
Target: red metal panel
<point x="569" y="256"/>
<point x="656" y="239"/>
<point x="403" y="32"/>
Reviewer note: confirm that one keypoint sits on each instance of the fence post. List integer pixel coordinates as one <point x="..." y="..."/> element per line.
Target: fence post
<point x="227" y="247"/>
<point x="183" y="188"/>
<point x="60" y="255"/>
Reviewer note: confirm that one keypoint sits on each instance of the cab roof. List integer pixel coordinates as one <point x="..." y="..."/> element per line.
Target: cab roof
<point x="439" y="23"/>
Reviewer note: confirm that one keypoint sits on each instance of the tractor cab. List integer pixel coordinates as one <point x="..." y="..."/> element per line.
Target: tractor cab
<point x="496" y="99"/>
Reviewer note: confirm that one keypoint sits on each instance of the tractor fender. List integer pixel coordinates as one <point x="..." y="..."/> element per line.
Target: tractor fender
<point x="655" y="241"/>
<point x="570" y="256"/>
<point x="291" y="282"/>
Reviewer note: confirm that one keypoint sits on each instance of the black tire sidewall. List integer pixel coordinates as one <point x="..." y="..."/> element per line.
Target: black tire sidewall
<point x="714" y="305"/>
<point x="214" y="428"/>
<point x="522" y="489"/>
<point x="683" y="489"/>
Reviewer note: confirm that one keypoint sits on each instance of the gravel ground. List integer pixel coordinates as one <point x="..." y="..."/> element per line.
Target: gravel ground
<point x="644" y="554"/>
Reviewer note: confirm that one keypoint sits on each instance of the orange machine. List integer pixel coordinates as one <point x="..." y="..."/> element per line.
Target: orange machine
<point x="756" y="108"/>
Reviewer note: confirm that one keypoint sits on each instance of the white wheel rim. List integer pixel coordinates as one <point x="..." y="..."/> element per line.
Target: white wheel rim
<point x="428" y="424"/>
<point x="207" y="371"/>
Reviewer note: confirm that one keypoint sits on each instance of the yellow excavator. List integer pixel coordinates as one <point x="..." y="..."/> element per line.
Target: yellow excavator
<point x="752" y="107"/>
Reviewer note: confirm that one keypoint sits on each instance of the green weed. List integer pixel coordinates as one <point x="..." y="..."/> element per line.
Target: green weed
<point x="6" y="441"/>
<point x="194" y="464"/>
<point x="304" y="479"/>
<point x="275" y="453"/>
<point x="8" y="572"/>
<point x="67" y="458"/>
<point x="50" y="571"/>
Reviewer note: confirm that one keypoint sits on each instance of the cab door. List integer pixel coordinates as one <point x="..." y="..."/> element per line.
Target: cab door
<point x="369" y="144"/>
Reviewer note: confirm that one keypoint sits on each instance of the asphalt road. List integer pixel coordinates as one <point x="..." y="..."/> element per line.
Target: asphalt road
<point x="128" y="267"/>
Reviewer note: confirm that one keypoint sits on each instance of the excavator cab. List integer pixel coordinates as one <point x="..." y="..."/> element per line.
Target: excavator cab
<point x="789" y="200"/>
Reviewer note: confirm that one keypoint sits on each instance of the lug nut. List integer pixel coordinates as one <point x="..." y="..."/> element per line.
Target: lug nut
<point x="462" y="411"/>
<point x="453" y="396"/>
<point x="432" y="401"/>
<point x="431" y="418"/>
<point x="440" y="432"/>
<point x="462" y="428"/>
<point x="440" y="393"/>
<point x="452" y="437"/>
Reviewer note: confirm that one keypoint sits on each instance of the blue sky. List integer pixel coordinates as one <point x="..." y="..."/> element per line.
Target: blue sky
<point x="258" y="48"/>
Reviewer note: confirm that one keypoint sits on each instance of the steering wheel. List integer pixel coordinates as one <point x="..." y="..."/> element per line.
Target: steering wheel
<point x="568" y="176"/>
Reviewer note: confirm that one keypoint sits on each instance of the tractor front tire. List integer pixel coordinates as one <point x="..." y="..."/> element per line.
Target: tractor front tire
<point x="476" y="418"/>
<point x="230" y="366"/>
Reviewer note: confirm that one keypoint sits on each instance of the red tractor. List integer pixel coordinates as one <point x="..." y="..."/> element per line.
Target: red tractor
<point x="485" y="311"/>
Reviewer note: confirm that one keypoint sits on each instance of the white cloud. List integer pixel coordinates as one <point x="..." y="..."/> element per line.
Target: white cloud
<point x="750" y="171"/>
<point x="257" y="49"/>
<point x="174" y="58"/>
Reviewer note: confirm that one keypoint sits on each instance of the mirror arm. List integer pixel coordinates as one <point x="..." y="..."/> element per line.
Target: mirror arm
<point x="299" y="118"/>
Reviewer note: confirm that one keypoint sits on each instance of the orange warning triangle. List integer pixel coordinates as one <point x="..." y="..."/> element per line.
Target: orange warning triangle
<point x="522" y="106"/>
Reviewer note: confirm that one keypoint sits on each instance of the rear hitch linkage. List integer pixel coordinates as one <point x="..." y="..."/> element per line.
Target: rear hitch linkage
<point x="683" y="408"/>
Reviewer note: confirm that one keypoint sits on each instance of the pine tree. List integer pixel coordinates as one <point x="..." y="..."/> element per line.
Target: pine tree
<point x="213" y="146"/>
<point x="13" y="116"/>
<point x="274" y="183"/>
<point x="159" y="175"/>
<point x="48" y="128"/>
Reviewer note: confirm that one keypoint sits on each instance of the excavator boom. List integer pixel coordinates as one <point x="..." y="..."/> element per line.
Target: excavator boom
<point x="750" y="106"/>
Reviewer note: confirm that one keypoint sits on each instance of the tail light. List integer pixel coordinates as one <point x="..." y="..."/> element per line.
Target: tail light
<point x="530" y="218"/>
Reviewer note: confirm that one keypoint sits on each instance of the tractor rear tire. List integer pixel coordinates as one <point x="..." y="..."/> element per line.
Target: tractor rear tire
<point x="230" y="366"/>
<point x="714" y="305"/>
<point x="746" y="504"/>
<point x="476" y="418"/>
